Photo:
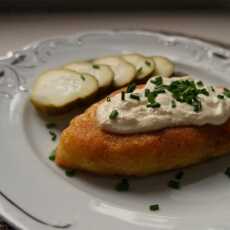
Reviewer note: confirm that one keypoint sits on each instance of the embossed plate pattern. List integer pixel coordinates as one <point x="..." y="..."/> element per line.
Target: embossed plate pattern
<point x="35" y="194"/>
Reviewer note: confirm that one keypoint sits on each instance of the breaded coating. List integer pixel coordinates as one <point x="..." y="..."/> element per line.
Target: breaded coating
<point x="84" y="146"/>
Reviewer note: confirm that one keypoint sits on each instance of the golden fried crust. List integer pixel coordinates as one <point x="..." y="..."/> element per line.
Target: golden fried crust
<point x="83" y="145"/>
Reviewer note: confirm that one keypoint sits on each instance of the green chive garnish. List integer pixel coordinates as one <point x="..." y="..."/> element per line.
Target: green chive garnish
<point x="179" y="175"/>
<point x="96" y="66"/>
<point x="70" y="172"/>
<point x="108" y="99"/>
<point x="148" y="63"/>
<point x="200" y="83"/>
<point x="173" y="104"/>
<point x="53" y="135"/>
<point x="139" y="71"/>
<point x="220" y="96"/>
<point x="158" y="90"/>
<point x="82" y="77"/>
<point x="204" y="91"/>
<point x="157" y="81"/>
<point x="51" y="125"/>
<point x="147" y="92"/>
<point x="186" y="91"/>
<point x="183" y="91"/>
<point x="174" y="184"/>
<point x="123" y="185"/>
<point x="131" y="87"/>
<point x="227" y="172"/>
<point x="151" y="97"/>
<point x="113" y="114"/>
<point x="122" y="95"/>
<point x="227" y="92"/>
<point x="212" y="88"/>
<point x="52" y="155"/>
<point x="135" y="97"/>
<point x="154" y="207"/>
<point x="154" y="105"/>
<point x="197" y="106"/>
<point x="2" y="73"/>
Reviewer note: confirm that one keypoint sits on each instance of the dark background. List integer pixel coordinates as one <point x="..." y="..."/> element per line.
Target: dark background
<point x="112" y="5"/>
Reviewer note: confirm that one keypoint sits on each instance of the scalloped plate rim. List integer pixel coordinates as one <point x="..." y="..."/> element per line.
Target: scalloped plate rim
<point x="11" y="54"/>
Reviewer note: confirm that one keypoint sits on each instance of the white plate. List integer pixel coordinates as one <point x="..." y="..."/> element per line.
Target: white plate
<point x="35" y="194"/>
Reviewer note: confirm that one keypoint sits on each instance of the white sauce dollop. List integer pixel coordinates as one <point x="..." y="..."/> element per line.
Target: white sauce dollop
<point x="135" y="117"/>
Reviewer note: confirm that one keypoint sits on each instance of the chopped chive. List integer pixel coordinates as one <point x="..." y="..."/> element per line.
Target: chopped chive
<point x="113" y="114"/>
<point x="227" y="92"/>
<point x="154" y="207"/>
<point x="183" y="91"/>
<point x="82" y="77"/>
<point x="197" y="106"/>
<point x="122" y="95"/>
<point x="157" y="81"/>
<point x="108" y="99"/>
<point x="159" y="90"/>
<point x="148" y="63"/>
<point x="70" y="172"/>
<point x="153" y="105"/>
<point x="135" y="97"/>
<point x="123" y="185"/>
<point x="147" y="92"/>
<point x="220" y="96"/>
<point x="131" y="87"/>
<point x="212" y="88"/>
<point x="204" y="91"/>
<point x="186" y="91"/>
<point x="173" y="104"/>
<point x="139" y="70"/>
<point x="52" y="155"/>
<point x="200" y="83"/>
<point x="96" y="66"/>
<point x="51" y="125"/>
<point x="151" y="97"/>
<point x="2" y="73"/>
<point x="227" y="172"/>
<point x="179" y="175"/>
<point x="53" y="135"/>
<point x="174" y="184"/>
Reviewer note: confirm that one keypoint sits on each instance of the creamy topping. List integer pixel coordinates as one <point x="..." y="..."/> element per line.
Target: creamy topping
<point x="162" y="103"/>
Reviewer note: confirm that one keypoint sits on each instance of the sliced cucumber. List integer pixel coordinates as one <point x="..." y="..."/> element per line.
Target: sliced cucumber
<point x="144" y="66"/>
<point x="124" y="73"/>
<point x="57" y="91"/>
<point x="163" y="66"/>
<point x="102" y="73"/>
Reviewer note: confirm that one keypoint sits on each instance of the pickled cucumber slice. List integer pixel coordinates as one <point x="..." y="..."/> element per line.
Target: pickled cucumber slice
<point x="163" y="66"/>
<point x="144" y="66"/>
<point x="58" y="91"/>
<point x="124" y="73"/>
<point x="102" y="73"/>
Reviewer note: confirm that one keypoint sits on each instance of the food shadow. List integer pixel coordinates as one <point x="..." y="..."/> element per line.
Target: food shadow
<point x="159" y="182"/>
